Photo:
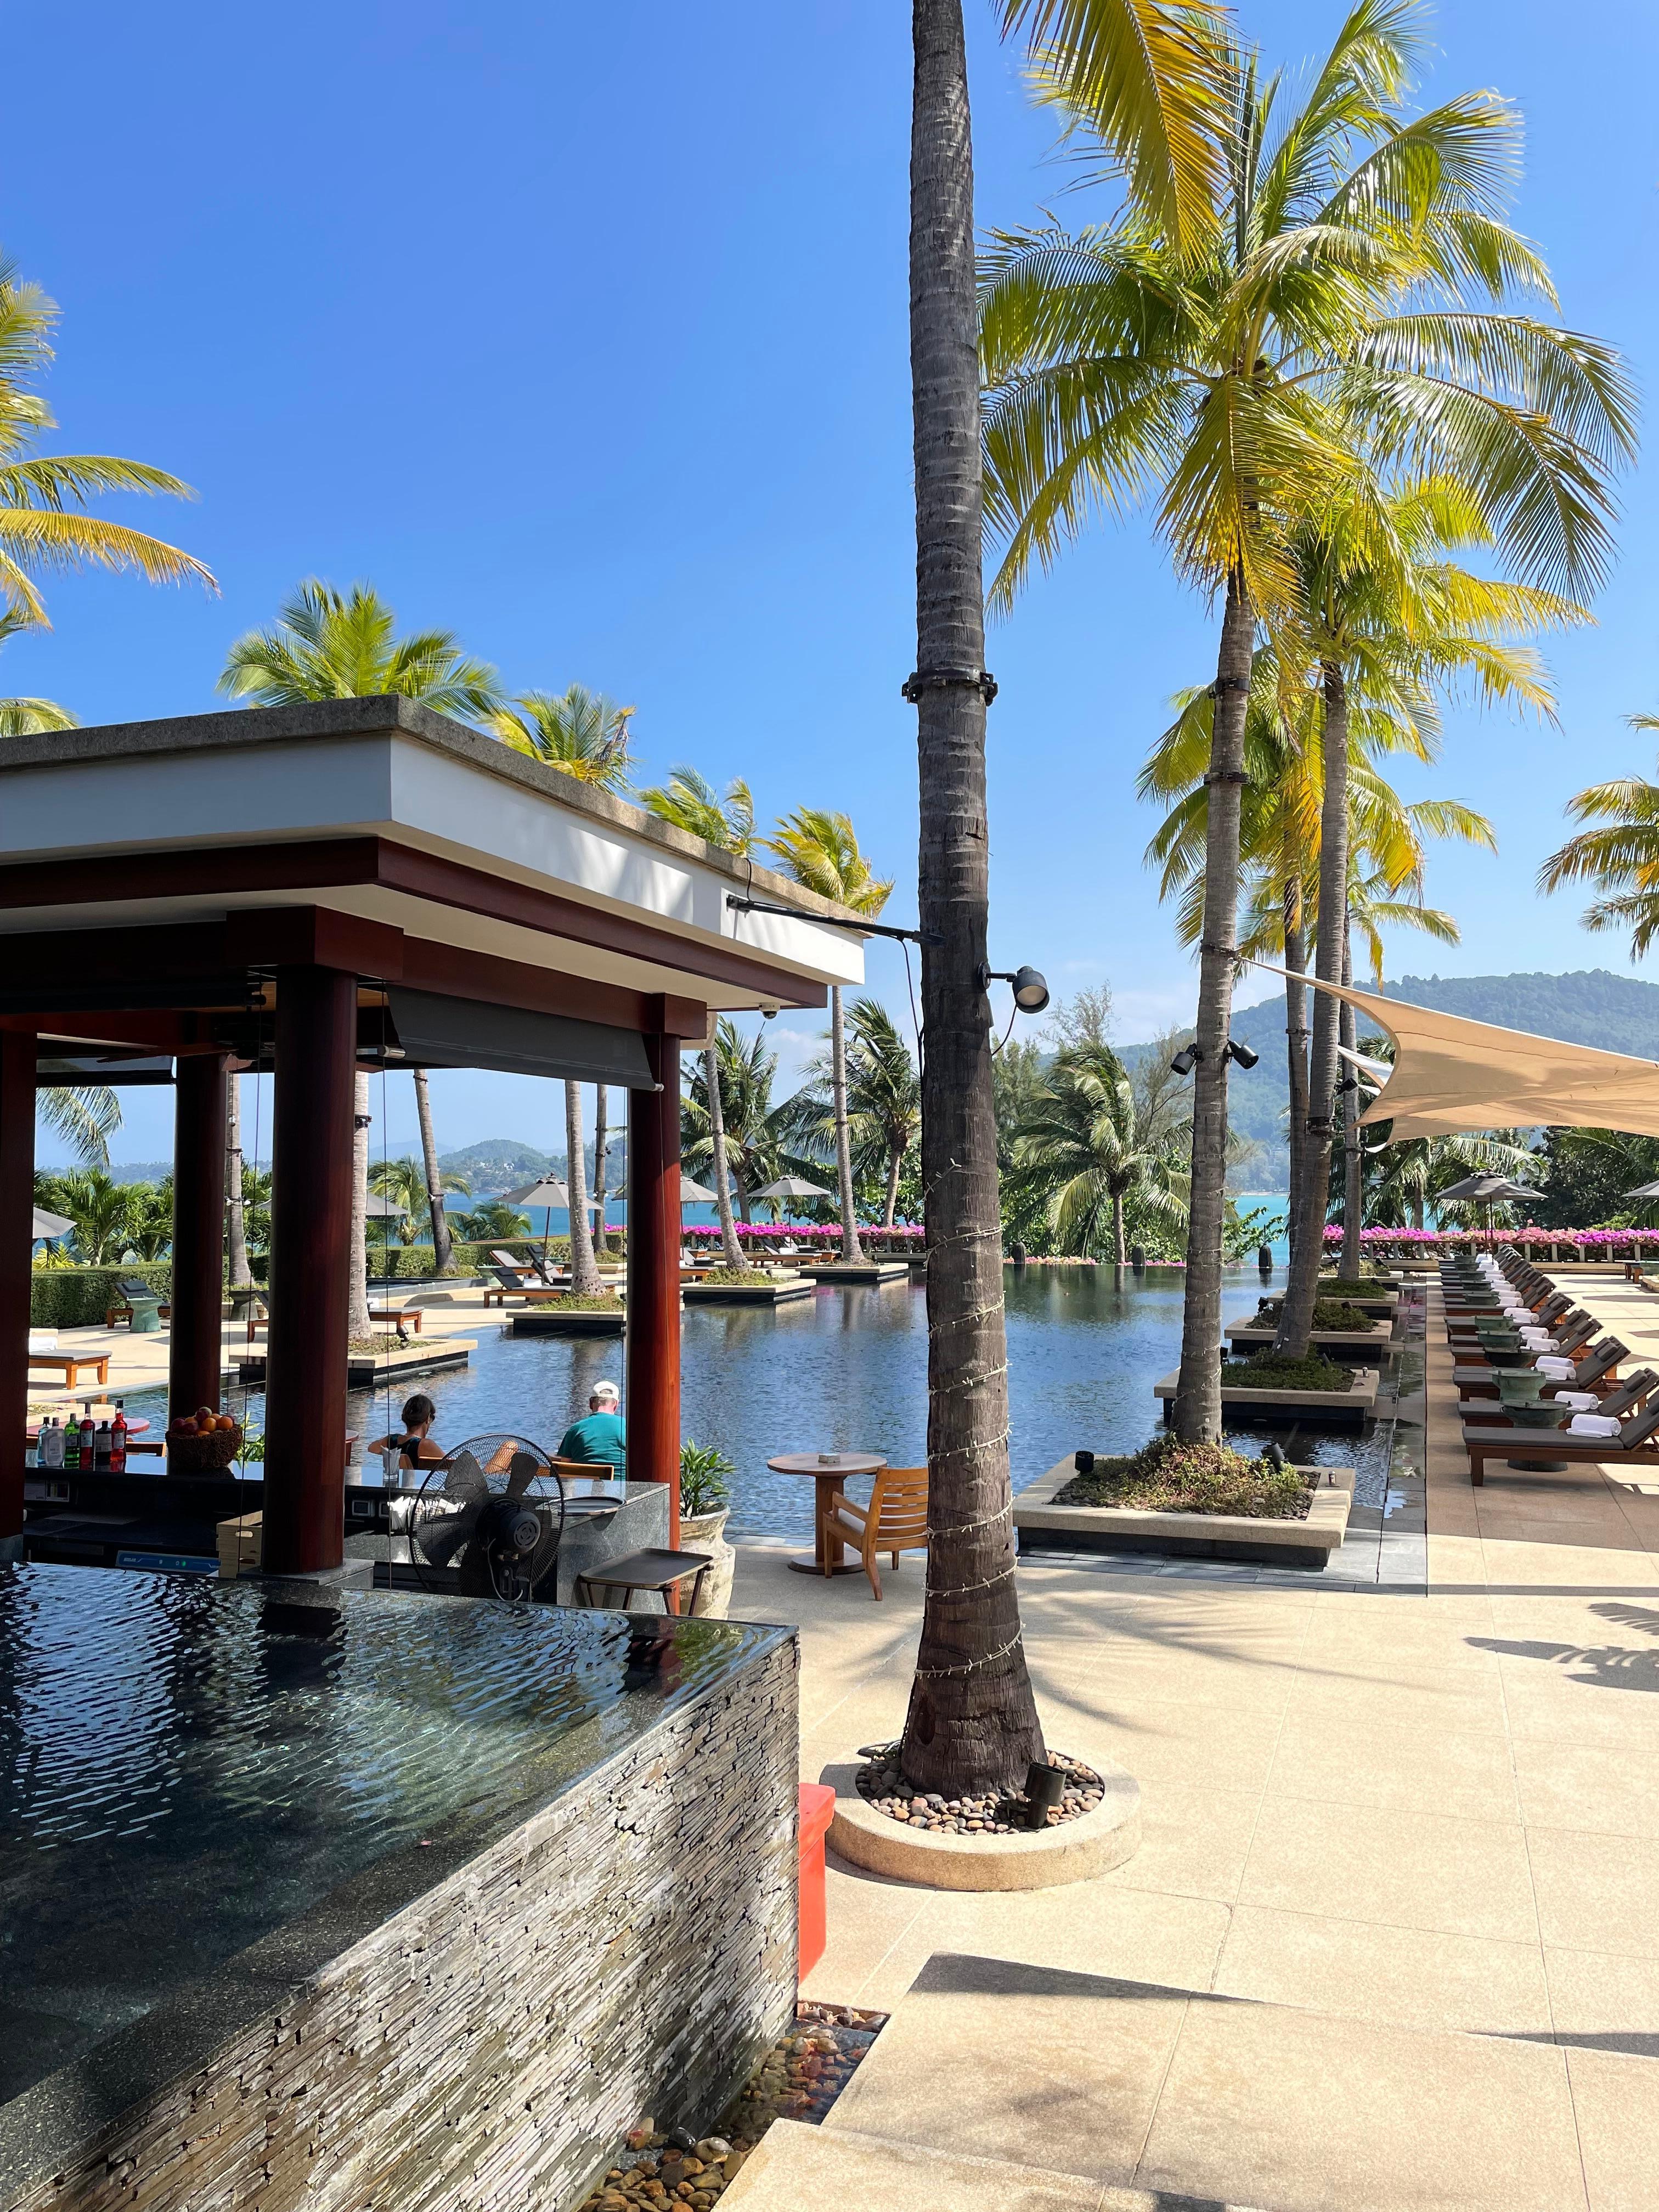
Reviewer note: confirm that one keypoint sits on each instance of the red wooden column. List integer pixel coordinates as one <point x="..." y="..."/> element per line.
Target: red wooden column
<point x="194" y="1357"/>
<point x="653" y="1278"/>
<point x="310" y="1260"/>
<point x="17" y="1055"/>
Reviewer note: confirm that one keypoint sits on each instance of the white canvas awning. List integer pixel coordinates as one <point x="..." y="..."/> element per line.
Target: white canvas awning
<point x="1451" y="1074"/>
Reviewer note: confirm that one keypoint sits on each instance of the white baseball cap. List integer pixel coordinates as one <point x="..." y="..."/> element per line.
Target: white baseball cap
<point x="605" y="1390"/>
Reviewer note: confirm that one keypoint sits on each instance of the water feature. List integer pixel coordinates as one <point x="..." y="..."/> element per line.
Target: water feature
<point x="186" y="1767"/>
<point x="847" y="1370"/>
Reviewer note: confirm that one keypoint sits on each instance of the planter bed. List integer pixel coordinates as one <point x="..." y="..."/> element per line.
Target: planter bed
<point x="552" y="1321"/>
<point x="870" y="1271"/>
<point x="1357" y="1403"/>
<point x="748" y="1294"/>
<point x="1374" y="1340"/>
<point x="365" y="1371"/>
<point x="1046" y="1527"/>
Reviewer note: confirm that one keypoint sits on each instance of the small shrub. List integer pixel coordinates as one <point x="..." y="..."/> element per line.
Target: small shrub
<point x="754" y="1279"/>
<point x="590" y="1302"/>
<point x="1275" y="1370"/>
<point x="703" y="1485"/>
<point x="1171" y="1476"/>
<point x="1327" y="1313"/>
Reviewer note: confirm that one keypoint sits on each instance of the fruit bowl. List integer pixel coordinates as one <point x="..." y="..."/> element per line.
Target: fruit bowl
<point x="189" y="1452"/>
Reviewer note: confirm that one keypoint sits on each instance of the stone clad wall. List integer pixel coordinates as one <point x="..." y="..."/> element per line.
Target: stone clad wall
<point x="628" y="1950"/>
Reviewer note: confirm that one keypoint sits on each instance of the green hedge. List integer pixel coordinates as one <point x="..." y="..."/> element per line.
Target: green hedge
<point x="79" y="1298"/>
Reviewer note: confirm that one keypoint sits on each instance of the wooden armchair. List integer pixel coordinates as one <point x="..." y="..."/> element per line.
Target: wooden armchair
<point x="895" y="1520"/>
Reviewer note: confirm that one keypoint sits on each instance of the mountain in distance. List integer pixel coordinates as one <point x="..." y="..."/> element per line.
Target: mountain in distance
<point x="1592" y="1006"/>
<point x="500" y="1164"/>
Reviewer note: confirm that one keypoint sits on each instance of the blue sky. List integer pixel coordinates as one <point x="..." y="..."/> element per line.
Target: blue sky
<point x="585" y="336"/>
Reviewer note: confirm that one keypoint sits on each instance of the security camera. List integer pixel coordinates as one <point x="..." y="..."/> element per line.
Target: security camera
<point x="768" y="1014"/>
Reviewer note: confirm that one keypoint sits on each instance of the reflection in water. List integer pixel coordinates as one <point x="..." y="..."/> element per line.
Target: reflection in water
<point x="846" y="1371"/>
<point x="184" y="1767"/>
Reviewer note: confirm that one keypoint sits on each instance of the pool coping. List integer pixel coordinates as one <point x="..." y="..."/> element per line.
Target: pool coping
<point x="45" y="2124"/>
<point x="1375" y="1339"/>
<point x="1358" y="1400"/>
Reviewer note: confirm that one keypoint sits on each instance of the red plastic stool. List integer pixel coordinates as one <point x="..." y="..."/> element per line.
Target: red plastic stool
<point x="817" y="1809"/>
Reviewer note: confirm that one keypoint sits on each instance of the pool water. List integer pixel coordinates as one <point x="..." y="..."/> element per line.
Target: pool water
<point x="186" y="1767"/>
<point x="846" y="1371"/>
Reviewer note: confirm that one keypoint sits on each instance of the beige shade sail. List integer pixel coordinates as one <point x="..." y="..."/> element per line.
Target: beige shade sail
<point x="1450" y="1074"/>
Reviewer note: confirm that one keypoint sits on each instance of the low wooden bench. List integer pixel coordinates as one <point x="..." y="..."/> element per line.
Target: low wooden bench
<point x="70" y="1364"/>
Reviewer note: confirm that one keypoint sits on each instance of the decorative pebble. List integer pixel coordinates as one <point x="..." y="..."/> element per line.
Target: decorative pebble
<point x="883" y="1788"/>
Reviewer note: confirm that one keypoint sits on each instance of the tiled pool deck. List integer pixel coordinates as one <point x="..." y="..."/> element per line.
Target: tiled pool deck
<point x="1392" y="1939"/>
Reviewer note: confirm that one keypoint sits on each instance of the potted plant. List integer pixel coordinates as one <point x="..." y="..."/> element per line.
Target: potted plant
<point x="705" y="1501"/>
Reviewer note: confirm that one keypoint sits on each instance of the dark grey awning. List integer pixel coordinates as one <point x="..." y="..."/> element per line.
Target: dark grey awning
<point x="54" y="1070"/>
<point x="443" y="1032"/>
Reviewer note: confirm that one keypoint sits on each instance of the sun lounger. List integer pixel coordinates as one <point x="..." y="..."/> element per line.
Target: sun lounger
<point x="1635" y="1445"/>
<point x="509" y="1284"/>
<point x="135" y="1290"/>
<point x="1600" y="1360"/>
<point x="511" y="1263"/>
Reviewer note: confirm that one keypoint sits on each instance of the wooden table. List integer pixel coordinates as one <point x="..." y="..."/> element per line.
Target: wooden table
<point x="829" y="1471"/>
<point x="72" y="1363"/>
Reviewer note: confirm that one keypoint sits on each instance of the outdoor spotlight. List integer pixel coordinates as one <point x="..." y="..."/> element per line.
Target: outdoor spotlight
<point x="1186" y="1059"/>
<point x="1045" y="1789"/>
<point x="1030" y="989"/>
<point x="1084" y="1462"/>
<point x="1241" y="1053"/>
<point x="1351" y="1083"/>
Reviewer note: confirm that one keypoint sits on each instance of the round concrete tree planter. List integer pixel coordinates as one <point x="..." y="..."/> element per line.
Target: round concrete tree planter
<point x="706" y="1532"/>
<point x="1045" y="1858"/>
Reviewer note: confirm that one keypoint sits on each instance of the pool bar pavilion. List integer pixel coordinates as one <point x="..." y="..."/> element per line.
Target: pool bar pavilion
<point x="320" y="1893"/>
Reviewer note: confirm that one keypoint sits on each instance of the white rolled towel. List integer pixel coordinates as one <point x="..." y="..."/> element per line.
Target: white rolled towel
<point x="1558" y="1371"/>
<point x="43" y="1339"/>
<point x="1593" y="1425"/>
<point x="1581" y="1401"/>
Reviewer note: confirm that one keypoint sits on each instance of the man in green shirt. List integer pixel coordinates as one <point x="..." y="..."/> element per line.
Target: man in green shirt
<point x="600" y="1438"/>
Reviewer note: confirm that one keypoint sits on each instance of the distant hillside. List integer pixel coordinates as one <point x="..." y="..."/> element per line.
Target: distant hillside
<point x="1591" y="1006"/>
<point x="500" y="1163"/>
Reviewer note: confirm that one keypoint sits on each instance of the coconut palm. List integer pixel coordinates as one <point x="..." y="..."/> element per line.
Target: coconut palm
<point x="333" y="645"/>
<point x="28" y="717"/>
<point x="1328" y="341"/>
<point x="759" y="1137"/>
<point x="690" y="802"/>
<point x="407" y="1180"/>
<point x="1621" y="859"/>
<point x="821" y="849"/>
<point x="328" y="644"/>
<point x="1086" y="1148"/>
<point x="577" y="730"/>
<point x="883" y="1099"/>
<point x="436" y="1182"/>
<point x="491" y="1222"/>
<point x="1143" y="70"/>
<point x="44" y="526"/>
<point x="585" y="1281"/>
<point x="100" y="1208"/>
<point x="85" y="1115"/>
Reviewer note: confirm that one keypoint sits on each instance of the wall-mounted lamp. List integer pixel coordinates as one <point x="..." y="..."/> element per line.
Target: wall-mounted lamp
<point x="1241" y="1053"/>
<point x="1186" y="1059"/>
<point x="1031" y="991"/>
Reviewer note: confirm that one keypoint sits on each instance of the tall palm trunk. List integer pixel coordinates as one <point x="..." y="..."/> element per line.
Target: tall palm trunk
<point x="1312" y="1201"/>
<point x="1296" y="1036"/>
<point x="1120" y="1252"/>
<point x="442" y="1247"/>
<point x="895" y="1168"/>
<point x="235" y="1215"/>
<point x="584" y="1274"/>
<point x="973" y="1720"/>
<point x="1196" y="1415"/>
<point x="601" y="1147"/>
<point x="852" y="1256"/>
<point x="359" y="1323"/>
<point x="1353" y="1162"/>
<point x="730" y="1249"/>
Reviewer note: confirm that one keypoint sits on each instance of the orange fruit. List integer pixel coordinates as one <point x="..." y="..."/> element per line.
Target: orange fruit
<point x="224" y="1423"/>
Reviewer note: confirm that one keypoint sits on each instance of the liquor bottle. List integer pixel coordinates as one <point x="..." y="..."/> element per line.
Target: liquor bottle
<point x="101" y="1449"/>
<point x="118" y="1441"/>
<point x="71" y="1445"/>
<point x="52" y="1444"/>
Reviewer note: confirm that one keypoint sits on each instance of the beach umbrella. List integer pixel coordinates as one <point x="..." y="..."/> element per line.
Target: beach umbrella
<point x="1489" y="1190"/>
<point x="50" y="1224"/>
<point x="789" y="1186"/>
<point x="693" y="1194"/>
<point x="1642" y="1190"/>
<point x="545" y="1192"/>
<point x="378" y="1208"/>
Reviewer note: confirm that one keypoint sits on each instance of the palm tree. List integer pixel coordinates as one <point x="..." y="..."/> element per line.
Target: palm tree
<point x="1327" y="331"/>
<point x="1144" y="69"/>
<point x="43" y="524"/>
<point x="690" y="802"/>
<point x="85" y="1115"/>
<point x="821" y="850"/>
<point x="585" y="1281"/>
<point x="29" y="718"/>
<point x="577" y="730"/>
<point x="238" y="1274"/>
<point x="437" y="1183"/>
<point x="1622" y="859"/>
<point x="332" y="645"/>
<point x="757" y="1137"/>
<point x="1085" y="1147"/>
<point x="408" y="1181"/>
<point x="491" y="1222"/>
<point x="883" y="1099"/>
<point x="100" y="1208"/>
